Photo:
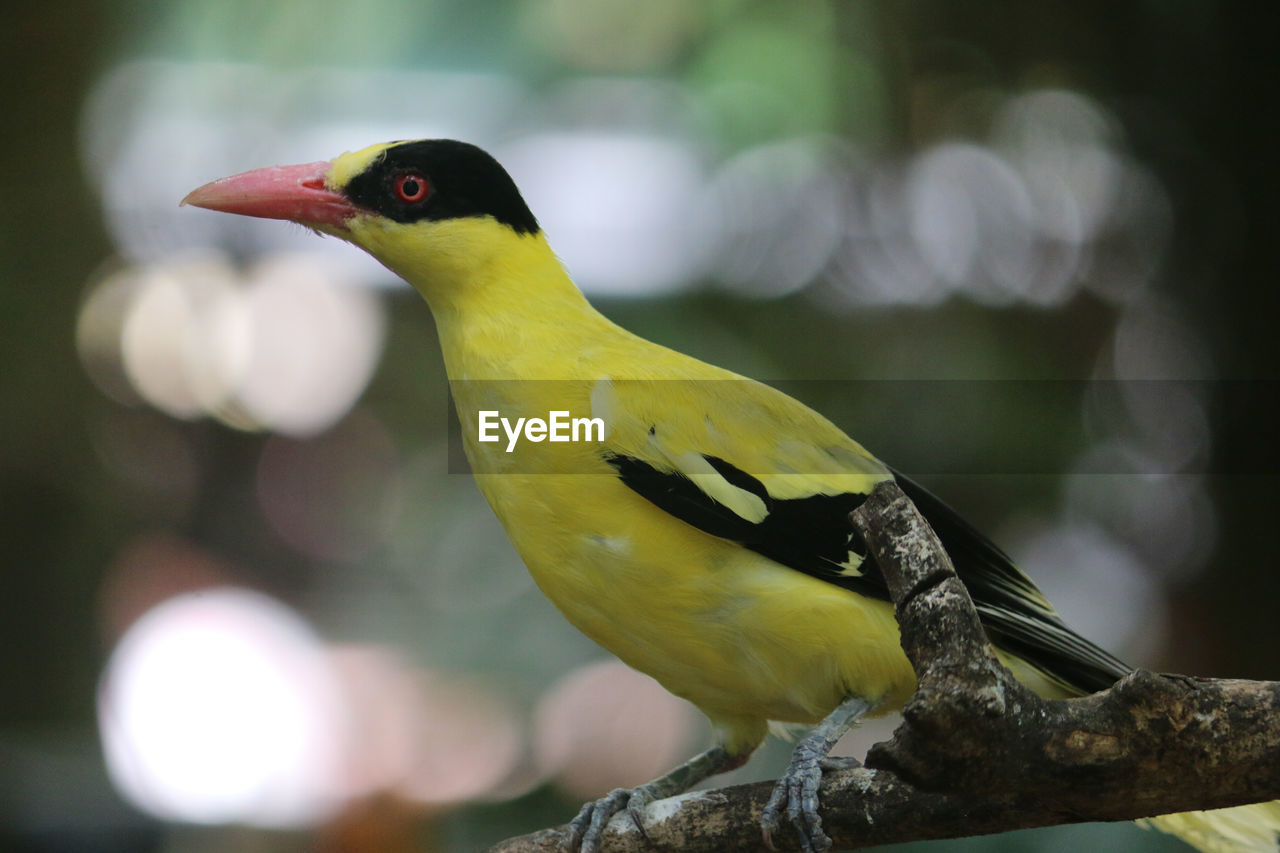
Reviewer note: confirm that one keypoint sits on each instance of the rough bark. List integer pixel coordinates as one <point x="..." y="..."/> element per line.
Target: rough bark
<point x="977" y="752"/>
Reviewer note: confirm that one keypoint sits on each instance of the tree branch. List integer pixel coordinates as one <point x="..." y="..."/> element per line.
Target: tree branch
<point x="978" y="752"/>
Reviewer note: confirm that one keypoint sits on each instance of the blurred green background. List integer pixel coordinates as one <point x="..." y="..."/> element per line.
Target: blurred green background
<point x="246" y="605"/>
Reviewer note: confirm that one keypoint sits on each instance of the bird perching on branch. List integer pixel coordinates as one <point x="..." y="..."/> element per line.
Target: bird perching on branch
<point x="704" y="539"/>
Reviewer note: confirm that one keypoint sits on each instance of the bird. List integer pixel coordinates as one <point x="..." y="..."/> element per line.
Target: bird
<point x="701" y="533"/>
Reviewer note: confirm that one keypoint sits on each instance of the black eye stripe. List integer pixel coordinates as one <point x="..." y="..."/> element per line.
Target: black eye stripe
<point x="459" y="180"/>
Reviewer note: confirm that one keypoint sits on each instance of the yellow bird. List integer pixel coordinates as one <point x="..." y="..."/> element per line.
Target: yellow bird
<point x="697" y="528"/>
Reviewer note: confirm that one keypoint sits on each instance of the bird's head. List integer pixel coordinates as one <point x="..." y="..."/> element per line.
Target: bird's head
<point x="434" y="211"/>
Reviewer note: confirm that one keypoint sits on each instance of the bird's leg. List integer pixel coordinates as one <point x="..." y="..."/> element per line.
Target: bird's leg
<point x="797" y="790"/>
<point x="586" y="829"/>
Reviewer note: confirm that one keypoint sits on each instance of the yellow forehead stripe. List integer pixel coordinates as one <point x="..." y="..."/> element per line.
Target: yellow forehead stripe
<point x="346" y="166"/>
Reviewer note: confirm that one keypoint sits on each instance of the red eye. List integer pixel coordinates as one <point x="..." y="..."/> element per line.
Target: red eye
<point x="411" y="187"/>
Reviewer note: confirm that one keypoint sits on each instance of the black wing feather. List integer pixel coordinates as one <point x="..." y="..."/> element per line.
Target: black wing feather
<point x="813" y="535"/>
<point x="809" y="534"/>
<point x="1006" y="600"/>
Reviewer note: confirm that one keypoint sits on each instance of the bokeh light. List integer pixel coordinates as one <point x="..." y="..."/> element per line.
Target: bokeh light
<point x="287" y="346"/>
<point x="606" y="726"/>
<point x="217" y="706"/>
<point x="623" y="210"/>
<point x="221" y="705"/>
<point x="1073" y="562"/>
<point x="421" y="735"/>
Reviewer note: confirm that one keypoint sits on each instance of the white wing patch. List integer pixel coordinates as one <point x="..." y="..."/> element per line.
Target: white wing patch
<point x="852" y="567"/>
<point x="740" y="502"/>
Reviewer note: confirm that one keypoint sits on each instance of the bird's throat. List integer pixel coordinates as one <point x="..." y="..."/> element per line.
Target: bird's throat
<point x="503" y="307"/>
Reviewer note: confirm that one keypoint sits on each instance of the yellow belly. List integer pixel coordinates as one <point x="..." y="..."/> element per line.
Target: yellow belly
<point x="731" y="631"/>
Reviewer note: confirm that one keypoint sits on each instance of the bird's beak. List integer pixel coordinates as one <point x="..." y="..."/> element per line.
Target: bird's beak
<point x="295" y="193"/>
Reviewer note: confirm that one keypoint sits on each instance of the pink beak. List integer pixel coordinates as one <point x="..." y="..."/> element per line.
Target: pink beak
<point x="295" y="193"/>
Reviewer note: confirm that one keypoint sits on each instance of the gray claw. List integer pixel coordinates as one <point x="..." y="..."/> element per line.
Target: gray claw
<point x="797" y="790"/>
<point x="587" y="829"/>
<point x="636" y="805"/>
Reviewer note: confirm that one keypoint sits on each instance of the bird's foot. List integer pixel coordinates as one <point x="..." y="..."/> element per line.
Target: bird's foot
<point x="797" y="792"/>
<point x="587" y="829"/>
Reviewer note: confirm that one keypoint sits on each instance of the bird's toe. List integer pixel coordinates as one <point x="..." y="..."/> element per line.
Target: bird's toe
<point x="636" y="805"/>
<point x="796" y="793"/>
<point x="586" y="830"/>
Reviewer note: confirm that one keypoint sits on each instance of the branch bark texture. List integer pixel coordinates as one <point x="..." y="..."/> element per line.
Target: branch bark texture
<point x="978" y="752"/>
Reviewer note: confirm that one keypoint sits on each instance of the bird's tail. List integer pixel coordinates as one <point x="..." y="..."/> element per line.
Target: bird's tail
<point x="1242" y="829"/>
